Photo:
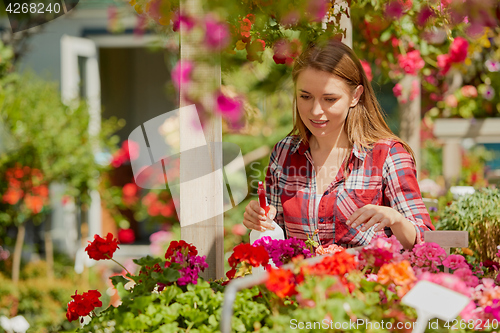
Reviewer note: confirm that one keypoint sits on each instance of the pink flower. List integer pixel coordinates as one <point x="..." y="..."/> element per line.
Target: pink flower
<point x="397" y="90"/>
<point x="394" y="9"/>
<point x="368" y="70"/>
<point x="411" y="63"/>
<point x="458" y="49"/>
<point x="465" y="274"/>
<point x="455" y="261"/>
<point x="285" y="51"/>
<point x="469" y="91"/>
<point x="317" y="9"/>
<point x="446" y="3"/>
<point x="184" y="20"/>
<point x="451" y="101"/>
<point x="447" y="280"/>
<point x="444" y="63"/>
<point x="425" y="14"/>
<point x="217" y="33"/>
<point x="181" y="73"/>
<point x="489" y="93"/>
<point x="493" y="66"/>
<point x="230" y="108"/>
<point x="415" y="90"/>
<point x="239" y="229"/>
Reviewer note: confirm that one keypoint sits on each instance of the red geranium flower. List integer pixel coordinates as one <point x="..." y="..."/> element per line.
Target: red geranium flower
<point x="83" y="304"/>
<point x="176" y="246"/>
<point x="281" y="282"/>
<point x="101" y="249"/>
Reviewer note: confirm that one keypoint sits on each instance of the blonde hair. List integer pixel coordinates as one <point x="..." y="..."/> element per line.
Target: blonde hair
<point x="365" y="124"/>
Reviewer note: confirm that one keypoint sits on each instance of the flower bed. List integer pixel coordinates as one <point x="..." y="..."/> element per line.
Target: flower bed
<point x="362" y="290"/>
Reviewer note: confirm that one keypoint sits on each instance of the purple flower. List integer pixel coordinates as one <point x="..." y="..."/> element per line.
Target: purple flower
<point x="217" y="33"/>
<point x="230" y="108"/>
<point x="394" y="9"/>
<point x="283" y="251"/>
<point x="181" y="73"/>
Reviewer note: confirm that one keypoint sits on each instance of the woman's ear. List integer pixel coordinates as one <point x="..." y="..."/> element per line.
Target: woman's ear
<point x="357" y="95"/>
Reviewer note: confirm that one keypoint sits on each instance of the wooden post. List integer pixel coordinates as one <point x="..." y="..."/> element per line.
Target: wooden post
<point x="447" y="239"/>
<point x="409" y="129"/>
<point x="207" y="197"/>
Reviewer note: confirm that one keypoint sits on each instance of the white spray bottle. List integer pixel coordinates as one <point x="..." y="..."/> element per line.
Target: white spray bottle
<point x="277" y="233"/>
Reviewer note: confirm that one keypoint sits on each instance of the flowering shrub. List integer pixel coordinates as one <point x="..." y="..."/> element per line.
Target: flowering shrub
<point x="366" y="285"/>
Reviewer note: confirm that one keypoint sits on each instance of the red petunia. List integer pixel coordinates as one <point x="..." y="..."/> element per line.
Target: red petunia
<point x="101" y="249"/>
<point x="83" y="304"/>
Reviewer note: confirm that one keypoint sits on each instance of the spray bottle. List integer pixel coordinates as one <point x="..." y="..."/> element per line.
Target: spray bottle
<point x="277" y="233"/>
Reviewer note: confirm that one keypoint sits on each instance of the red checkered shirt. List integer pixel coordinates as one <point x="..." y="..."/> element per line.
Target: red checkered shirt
<point x="383" y="175"/>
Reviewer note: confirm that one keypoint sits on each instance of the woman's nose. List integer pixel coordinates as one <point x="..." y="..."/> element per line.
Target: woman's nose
<point x="316" y="110"/>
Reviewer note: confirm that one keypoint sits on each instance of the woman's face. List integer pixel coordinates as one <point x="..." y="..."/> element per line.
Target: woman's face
<point x="323" y="100"/>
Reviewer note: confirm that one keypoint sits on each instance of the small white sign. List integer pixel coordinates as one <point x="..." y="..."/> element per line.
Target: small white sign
<point x="434" y="301"/>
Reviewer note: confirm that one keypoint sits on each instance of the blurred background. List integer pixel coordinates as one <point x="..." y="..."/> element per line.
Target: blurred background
<point x="73" y="89"/>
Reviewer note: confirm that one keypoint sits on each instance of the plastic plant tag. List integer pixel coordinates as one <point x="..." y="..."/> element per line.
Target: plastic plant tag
<point x="434" y="301"/>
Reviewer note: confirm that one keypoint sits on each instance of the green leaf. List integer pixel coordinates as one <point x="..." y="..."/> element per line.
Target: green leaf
<point x="147" y="261"/>
<point x="384" y="37"/>
<point x="117" y="279"/>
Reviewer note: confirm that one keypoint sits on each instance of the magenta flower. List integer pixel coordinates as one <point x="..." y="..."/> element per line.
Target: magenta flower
<point x="444" y="63"/>
<point x="283" y="251"/>
<point x="494" y="309"/>
<point x="181" y="73"/>
<point x="425" y="14"/>
<point x="411" y="63"/>
<point x="184" y="20"/>
<point x="458" y="49"/>
<point x="317" y="9"/>
<point x="455" y="261"/>
<point x="394" y="9"/>
<point x="397" y="90"/>
<point x="230" y="108"/>
<point x="217" y="33"/>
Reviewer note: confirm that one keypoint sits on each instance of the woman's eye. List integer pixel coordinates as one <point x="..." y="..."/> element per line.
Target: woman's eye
<point x="330" y="100"/>
<point x="306" y="97"/>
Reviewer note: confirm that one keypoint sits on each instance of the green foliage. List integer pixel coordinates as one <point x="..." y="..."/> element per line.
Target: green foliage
<point x="197" y="308"/>
<point x="41" y="132"/>
<point x="479" y="215"/>
<point x="42" y="301"/>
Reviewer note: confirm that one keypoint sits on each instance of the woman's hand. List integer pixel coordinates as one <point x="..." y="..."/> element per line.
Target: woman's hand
<point x="254" y="217"/>
<point x="370" y="215"/>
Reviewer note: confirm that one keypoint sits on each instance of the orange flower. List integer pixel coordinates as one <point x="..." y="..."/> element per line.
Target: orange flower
<point x="281" y="282"/>
<point x="401" y="274"/>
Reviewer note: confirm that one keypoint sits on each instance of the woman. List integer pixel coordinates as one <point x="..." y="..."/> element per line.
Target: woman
<point x="341" y="170"/>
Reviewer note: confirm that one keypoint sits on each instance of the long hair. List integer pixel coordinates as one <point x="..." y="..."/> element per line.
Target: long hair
<point x="365" y="124"/>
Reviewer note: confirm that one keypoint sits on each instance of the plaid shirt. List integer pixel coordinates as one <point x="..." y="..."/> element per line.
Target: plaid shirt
<point x="384" y="175"/>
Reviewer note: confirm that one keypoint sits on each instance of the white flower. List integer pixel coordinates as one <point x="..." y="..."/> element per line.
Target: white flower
<point x="493" y="66"/>
<point x="18" y="324"/>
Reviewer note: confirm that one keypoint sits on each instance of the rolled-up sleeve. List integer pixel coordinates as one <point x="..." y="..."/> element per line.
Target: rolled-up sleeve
<point x="402" y="191"/>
